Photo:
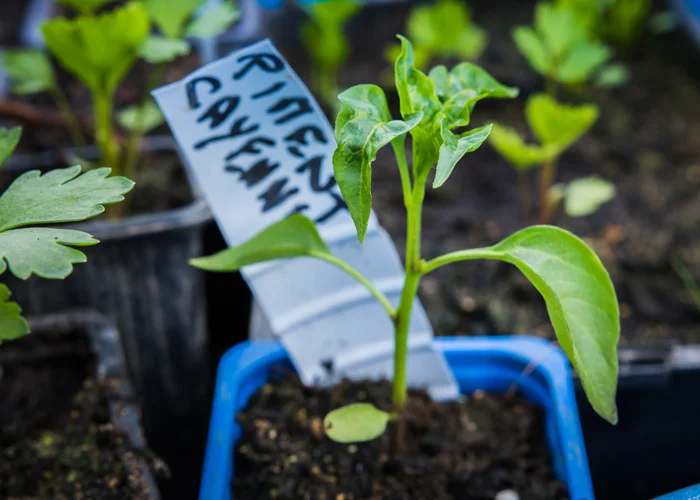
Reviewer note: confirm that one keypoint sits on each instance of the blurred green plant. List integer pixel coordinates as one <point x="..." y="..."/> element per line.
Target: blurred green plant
<point x="618" y="21"/>
<point x="435" y="110"/>
<point x="562" y="49"/>
<point x="556" y="126"/>
<point x="442" y="30"/>
<point x="323" y="36"/>
<point x="33" y="200"/>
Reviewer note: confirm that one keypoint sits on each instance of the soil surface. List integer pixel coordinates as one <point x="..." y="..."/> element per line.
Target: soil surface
<point x="56" y="438"/>
<point x="646" y="141"/>
<point x="468" y="450"/>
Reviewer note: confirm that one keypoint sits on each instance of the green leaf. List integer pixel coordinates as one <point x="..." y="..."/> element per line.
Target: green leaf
<point x="9" y="138"/>
<point x="363" y="127"/>
<point x="454" y="148"/>
<point x="582" y="62"/>
<point x="416" y="90"/>
<point x="159" y="49"/>
<point x="333" y="13"/>
<point x="441" y="80"/>
<point x="60" y="195"/>
<point x="12" y="324"/>
<point x="534" y="50"/>
<point x="294" y="236"/>
<point x="581" y="302"/>
<point x="510" y="145"/>
<point x="142" y="119"/>
<point x="30" y="71"/>
<point x="99" y="50"/>
<point x="171" y="15"/>
<point x="583" y="196"/>
<point x="612" y="75"/>
<point x="558" y="29"/>
<point x="214" y="21"/>
<point x="42" y="251"/>
<point x="84" y="6"/>
<point x="468" y="84"/>
<point x="355" y="423"/>
<point x="557" y="124"/>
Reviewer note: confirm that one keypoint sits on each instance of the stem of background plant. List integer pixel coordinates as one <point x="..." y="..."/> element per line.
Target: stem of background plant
<point x="414" y="210"/>
<point x="109" y="149"/>
<point x="548" y="172"/>
<point x="69" y="115"/>
<point x="524" y="195"/>
<point x="136" y="138"/>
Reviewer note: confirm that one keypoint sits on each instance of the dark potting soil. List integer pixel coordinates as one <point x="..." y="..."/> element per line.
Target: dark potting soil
<point x="646" y="141"/>
<point x="468" y="450"/>
<point x="56" y="438"/>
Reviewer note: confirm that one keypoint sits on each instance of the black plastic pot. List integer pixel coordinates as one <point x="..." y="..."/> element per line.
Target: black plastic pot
<point x="139" y="277"/>
<point x="110" y="368"/>
<point x="655" y="447"/>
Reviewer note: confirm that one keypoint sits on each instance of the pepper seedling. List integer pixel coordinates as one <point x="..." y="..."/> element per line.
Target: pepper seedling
<point x="435" y="110"/>
<point x="557" y="127"/>
<point x="442" y="30"/>
<point x="323" y="36"/>
<point x="560" y="48"/>
<point x="32" y="200"/>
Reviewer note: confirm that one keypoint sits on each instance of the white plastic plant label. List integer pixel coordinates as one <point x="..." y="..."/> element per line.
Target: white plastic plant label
<point x="260" y="149"/>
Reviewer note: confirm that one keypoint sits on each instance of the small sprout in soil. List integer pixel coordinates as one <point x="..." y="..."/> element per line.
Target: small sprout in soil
<point x="560" y="48"/>
<point x="442" y="30"/>
<point x="61" y="195"/>
<point x="435" y="111"/>
<point x="556" y="127"/>
<point x="324" y="38"/>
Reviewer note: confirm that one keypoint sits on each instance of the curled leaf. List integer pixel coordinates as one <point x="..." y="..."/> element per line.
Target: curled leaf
<point x="454" y="148"/>
<point x="12" y="324"/>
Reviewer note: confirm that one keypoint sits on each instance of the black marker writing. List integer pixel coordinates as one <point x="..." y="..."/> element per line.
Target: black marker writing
<point x="269" y="63"/>
<point x="220" y="110"/>
<point x="302" y="107"/>
<point x="314" y="167"/>
<point x="275" y="194"/>
<point x="250" y="147"/>
<point x="269" y="91"/>
<point x="191" y="89"/>
<point x="256" y="173"/>
<point x="236" y="130"/>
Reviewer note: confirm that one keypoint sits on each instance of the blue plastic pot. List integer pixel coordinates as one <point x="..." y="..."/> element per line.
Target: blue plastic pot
<point x="490" y="364"/>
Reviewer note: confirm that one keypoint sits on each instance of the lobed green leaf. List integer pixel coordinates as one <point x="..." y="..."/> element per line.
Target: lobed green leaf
<point x="355" y="423"/>
<point x="141" y="118"/>
<point x="9" y="138"/>
<point x="294" y="236"/>
<point x="214" y="21"/>
<point x="12" y="324"/>
<point x="171" y="15"/>
<point x="60" y="195"/>
<point x="29" y="70"/>
<point x="159" y="49"/>
<point x="362" y="128"/>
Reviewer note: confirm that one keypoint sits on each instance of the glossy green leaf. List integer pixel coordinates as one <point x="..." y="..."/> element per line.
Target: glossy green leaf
<point x="99" y="50"/>
<point x="440" y="77"/>
<point x="534" y="50"/>
<point x="171" y="15"/>
<point x="159" y="49"/>
<point x="12" y="324"/>
<point x="468" y="84"/>
<point x="84" y="6"/>
<point x="557" y="124"/>
<point x="355" y="423"/>
<point x="454" y="148"/>
<point x="363" y="127"/>
<point x="45" y="252"/>
<point x="583" y="196"/>
<point x="9" y="138"/>
<point x="612" y="75"/>
<point x="60" y="195"/>
<point x="214" y="21"/>
<point x="581" y="302"/>
<point x="510" y="145"/>
<point x="30" y="71"/>
<point x="416" y="90"/>
<point x="143" y="119"/>
<point x="294" y="236"/>
<point x="581" y="62"/>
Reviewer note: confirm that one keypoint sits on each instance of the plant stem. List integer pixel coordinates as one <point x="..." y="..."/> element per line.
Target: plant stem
<point x="461" y="255"/>
<point x="414" y="210"/>
<point x="104" y="111"/>
<point x="548" y="172"/>
<point x="400" y="153"/>
<point x="524" y="195"/>
<point x="69" y="116"/>
<point x="381" y="298"/>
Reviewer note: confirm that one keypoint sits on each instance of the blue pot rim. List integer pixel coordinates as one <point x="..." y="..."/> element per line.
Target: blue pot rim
<point x="497" y="362"/>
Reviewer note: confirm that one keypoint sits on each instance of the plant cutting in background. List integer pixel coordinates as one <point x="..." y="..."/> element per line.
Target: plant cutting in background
<point x="323" y="36"/>
<point x="556" y="127"/>
<point x="100" y="49"/>
<point x="435" y="110"/>
<point x="26" y="247"/>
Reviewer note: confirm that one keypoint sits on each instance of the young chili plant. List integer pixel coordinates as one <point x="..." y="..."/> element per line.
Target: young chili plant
<point x="557" y="127"/>
<point x="561" y="49"/>
<point x="442" y="30"/>
<point x="435" y="109"/>
<point x="32" y="200"/>
<point x="323" y="36"/>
